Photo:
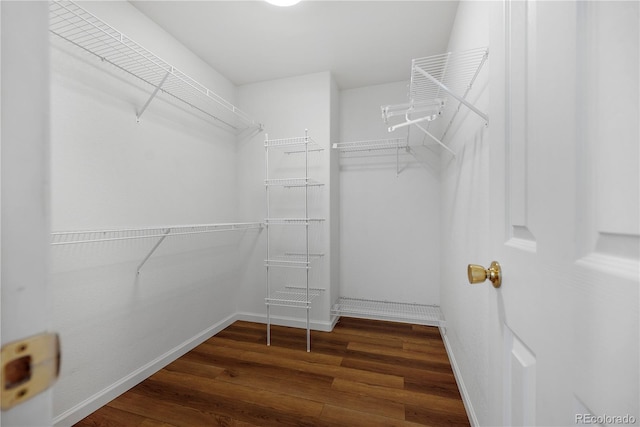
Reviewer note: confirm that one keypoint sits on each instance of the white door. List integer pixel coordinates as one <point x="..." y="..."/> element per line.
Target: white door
<point x="565" y="216"/>
<point x="24" y="175"/>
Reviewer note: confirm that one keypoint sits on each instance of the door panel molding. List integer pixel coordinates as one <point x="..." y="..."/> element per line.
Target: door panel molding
<point x="520" y="63"/>
<point x="519" y="382"/>
<point x="608" y="201"/>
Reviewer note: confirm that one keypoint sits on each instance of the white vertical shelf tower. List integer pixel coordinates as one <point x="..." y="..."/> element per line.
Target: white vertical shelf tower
<point x="297" y="295"/>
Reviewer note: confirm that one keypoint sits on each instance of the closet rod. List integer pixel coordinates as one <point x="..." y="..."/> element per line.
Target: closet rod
<point x="410" y="122"/>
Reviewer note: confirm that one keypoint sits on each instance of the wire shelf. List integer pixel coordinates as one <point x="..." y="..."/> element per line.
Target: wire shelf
<point x="291" y="260"/>
<point x="84" y="30"/>
<point x="292" y="182"/>
<point x="289" y="142"/>
<point x="455" y="70"/>
<point x="293" y="296"/>
<point x="387" y="310"/>
<point x="94" y="236"/>
<point x="371" y="145"/>
<point x="292" y="221"/>
<point x="436" y="81"/>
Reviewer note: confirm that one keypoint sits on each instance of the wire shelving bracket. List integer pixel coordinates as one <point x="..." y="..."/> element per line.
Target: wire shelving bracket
<point x="84" y="30"/>
<point x="436" y="83"/>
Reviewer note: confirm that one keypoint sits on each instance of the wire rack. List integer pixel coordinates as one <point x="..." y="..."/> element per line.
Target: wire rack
<point x="292" y="221"/>
<point x="59" y="238"/>
<point x="290" y="296"/>
<point x="300" y="145"/>
<point x="291" y="260"/>
<point x="387" y="310"/>
<point x="84" y="30"/>
<point x="94" y="236"/>
<point x="383" y="147"/>
<point x="292" y="182"/>
<point x="455" y="70"/>
<point x="293" y="296"/>
<point x="437" y="82"/>
<point x="288" y="142"/>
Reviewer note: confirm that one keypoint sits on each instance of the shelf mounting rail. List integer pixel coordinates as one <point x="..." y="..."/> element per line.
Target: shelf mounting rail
<point x="84" y="30"/>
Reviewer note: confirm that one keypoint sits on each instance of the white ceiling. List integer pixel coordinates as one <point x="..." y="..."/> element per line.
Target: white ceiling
<point x="361" y="42"/>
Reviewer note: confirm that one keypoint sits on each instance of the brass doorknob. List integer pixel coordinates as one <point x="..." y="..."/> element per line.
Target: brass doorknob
<point x="478" y="274"/>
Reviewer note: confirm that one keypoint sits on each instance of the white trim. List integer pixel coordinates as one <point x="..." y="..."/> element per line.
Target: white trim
<point x="292" y="322"/>
<point x="95" y="402"/>
<point x="334" y="322"/>
<point x="458" y="376"/>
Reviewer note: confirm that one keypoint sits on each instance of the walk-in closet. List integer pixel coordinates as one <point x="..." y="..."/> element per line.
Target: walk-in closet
<point x="323" y="213"/>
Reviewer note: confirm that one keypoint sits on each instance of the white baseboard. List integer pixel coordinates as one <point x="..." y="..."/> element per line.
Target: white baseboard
<point x="293" y="322"/>
<point x="93" y="403"/>
<point x="458" y="376"/>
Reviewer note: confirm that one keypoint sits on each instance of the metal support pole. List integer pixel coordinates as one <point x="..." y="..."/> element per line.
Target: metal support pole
<point x="308" y="328"/>
<point x="266" y="187"/>
<point x="306" y="215"/>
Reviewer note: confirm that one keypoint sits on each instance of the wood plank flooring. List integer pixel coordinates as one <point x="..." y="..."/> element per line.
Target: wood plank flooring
<point x="363" y="373"/>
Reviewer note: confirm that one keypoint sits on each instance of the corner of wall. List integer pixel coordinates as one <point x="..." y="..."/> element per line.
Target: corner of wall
<point x="335" y="192"/>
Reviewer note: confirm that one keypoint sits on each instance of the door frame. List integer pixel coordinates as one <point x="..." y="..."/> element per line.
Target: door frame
<point x="24" y="187"/>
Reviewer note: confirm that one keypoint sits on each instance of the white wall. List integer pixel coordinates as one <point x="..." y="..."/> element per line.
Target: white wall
<point x="107" y="171"/>
<point x="465" y="197"/>
<point x="286" y="107"/>
<point x="389" y="226"/>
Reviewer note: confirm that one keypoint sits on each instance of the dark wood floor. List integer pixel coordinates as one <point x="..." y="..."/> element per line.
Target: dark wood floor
<point x="363" y="373"/>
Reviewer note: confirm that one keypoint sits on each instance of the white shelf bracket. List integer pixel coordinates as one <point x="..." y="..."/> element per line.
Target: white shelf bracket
<point x="456" y="96"/>
<point x="158" y="243"/>
<point x="429" y="134"/>
<point x="153" y="95"/>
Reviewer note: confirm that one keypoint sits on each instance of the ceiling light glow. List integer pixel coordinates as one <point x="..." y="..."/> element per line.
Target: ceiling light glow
<point x="283" y="2"/>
